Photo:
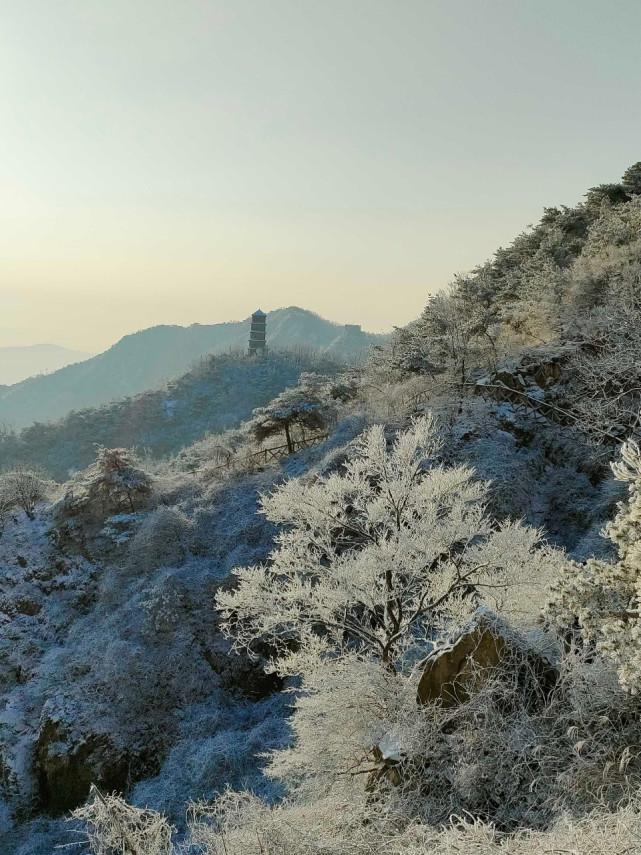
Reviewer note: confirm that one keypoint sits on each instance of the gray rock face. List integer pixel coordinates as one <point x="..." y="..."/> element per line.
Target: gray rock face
<point x="454" y="673"/>
<point x="67" y="768"/>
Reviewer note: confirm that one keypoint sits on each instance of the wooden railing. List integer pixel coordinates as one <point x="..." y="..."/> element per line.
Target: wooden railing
<point x="273" y="454"/>
<point x="267" y="455"/>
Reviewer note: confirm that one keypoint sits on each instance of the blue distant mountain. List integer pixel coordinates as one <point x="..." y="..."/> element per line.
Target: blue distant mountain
<point x="18" y="363"/>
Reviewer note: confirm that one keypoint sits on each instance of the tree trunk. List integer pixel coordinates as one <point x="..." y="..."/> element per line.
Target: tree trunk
<point x="290" y="444"/>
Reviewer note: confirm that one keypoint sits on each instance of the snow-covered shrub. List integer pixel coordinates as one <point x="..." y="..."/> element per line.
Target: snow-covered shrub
<point x="7" y="498"/>
<point x="114" y="827"/>
<point x="213" y="450"/>
<point x="114" y="484"/>
<point x="161" y="609"/>
<point x="221" y="745"/>
<point x="241" y="824"/>
<point x="385" y="400"/>
<point x="359" y="734"/>
<point x="160" y="541"/>
<point x="230" y="466"/>
<point x="604" y="597"/>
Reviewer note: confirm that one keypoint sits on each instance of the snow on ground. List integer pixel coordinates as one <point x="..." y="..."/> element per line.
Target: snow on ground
<point x="121" y="657"/>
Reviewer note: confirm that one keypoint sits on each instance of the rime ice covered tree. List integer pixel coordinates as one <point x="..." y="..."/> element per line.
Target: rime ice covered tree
<point x="631" y="179"/>
<point x="307" y="406"/>
<point x="23" y="487"/>
<point x="120" y="482"/>
<point x="454" y="335"/>
<point x="604" y="597"/>
<point x="377" y="559"/>
<point x="114" y="484"/>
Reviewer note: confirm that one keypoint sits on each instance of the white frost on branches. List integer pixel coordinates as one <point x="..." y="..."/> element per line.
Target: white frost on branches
<point x="115" y="828"/>
<point x="379" y="558"/>
<point x="604" y="596"/>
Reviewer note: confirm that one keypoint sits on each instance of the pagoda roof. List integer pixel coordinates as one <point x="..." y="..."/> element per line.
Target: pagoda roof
<point x="259" y="312"/>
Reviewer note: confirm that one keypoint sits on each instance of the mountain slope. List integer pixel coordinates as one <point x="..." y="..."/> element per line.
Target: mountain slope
<point x="146" y="359"/>
<point x="113" y="663"/>
<point x="18" y="363"/>
<point x="217" y="394"/>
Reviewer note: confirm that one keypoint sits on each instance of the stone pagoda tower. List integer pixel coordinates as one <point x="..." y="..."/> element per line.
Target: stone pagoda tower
<point x="257" y="333"/>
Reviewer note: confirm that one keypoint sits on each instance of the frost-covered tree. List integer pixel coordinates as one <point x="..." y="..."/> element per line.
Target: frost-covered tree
<point x="606" y="394"/>
<point x="306" y="406"/>
<point x="631" y="179"/>
<point x="7" y="499"/>
<point x="377" y="558"/>
<point x="120" y="480"/>
<point x="24" y="487"/>
<point x="461" y="321"/>
<point x="115" y="483"/>
<point x="376" y="565"/>
<point x="608" y="194"/>
<point x="454" y="335"/>
<point x="604" y="597"/>
<point x="407" y="352"/>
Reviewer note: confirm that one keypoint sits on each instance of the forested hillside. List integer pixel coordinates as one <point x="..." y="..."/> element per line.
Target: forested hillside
<point x="571" y="281"/>
<point x="216" y="395"/>
<point x="147" y="359"/>
<point x="416" y="631"/>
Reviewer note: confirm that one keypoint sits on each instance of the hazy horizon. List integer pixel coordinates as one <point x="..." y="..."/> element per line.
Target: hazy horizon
<point x="89" y="354"/>
<point x="186" y="162"/>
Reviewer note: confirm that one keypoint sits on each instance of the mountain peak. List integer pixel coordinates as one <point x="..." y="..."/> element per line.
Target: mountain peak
<point x="22" y="361"/>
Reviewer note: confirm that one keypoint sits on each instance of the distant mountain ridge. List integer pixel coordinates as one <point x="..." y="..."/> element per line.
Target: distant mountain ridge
<point x="19" y="363"/>
<point x="146" y="359"/>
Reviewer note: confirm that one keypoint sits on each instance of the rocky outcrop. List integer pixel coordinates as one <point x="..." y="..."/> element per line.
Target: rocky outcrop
<point x="454" y="673"/>
<point x="65" y="773"/>
<point x="486" y="648"/>
<point x="69" y="758"/>
<point x="528" y="376"/>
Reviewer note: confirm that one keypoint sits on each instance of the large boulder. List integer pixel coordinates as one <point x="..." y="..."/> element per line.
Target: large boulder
<point x="455" y="672"/>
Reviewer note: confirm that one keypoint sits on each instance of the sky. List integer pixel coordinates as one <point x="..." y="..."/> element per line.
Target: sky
<point x="181" y="161"/>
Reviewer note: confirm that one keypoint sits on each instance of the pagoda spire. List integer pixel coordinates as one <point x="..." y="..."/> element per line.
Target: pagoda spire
<point x="258" y="333"/>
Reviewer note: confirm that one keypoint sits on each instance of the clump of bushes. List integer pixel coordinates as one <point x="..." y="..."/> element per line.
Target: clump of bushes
<point x="160" y="541"/>
<point x="378" y="564"/>
<point x="115" y="483"/>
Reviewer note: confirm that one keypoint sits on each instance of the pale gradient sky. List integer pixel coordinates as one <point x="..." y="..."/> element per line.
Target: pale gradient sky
<point x="180" y="161"/>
